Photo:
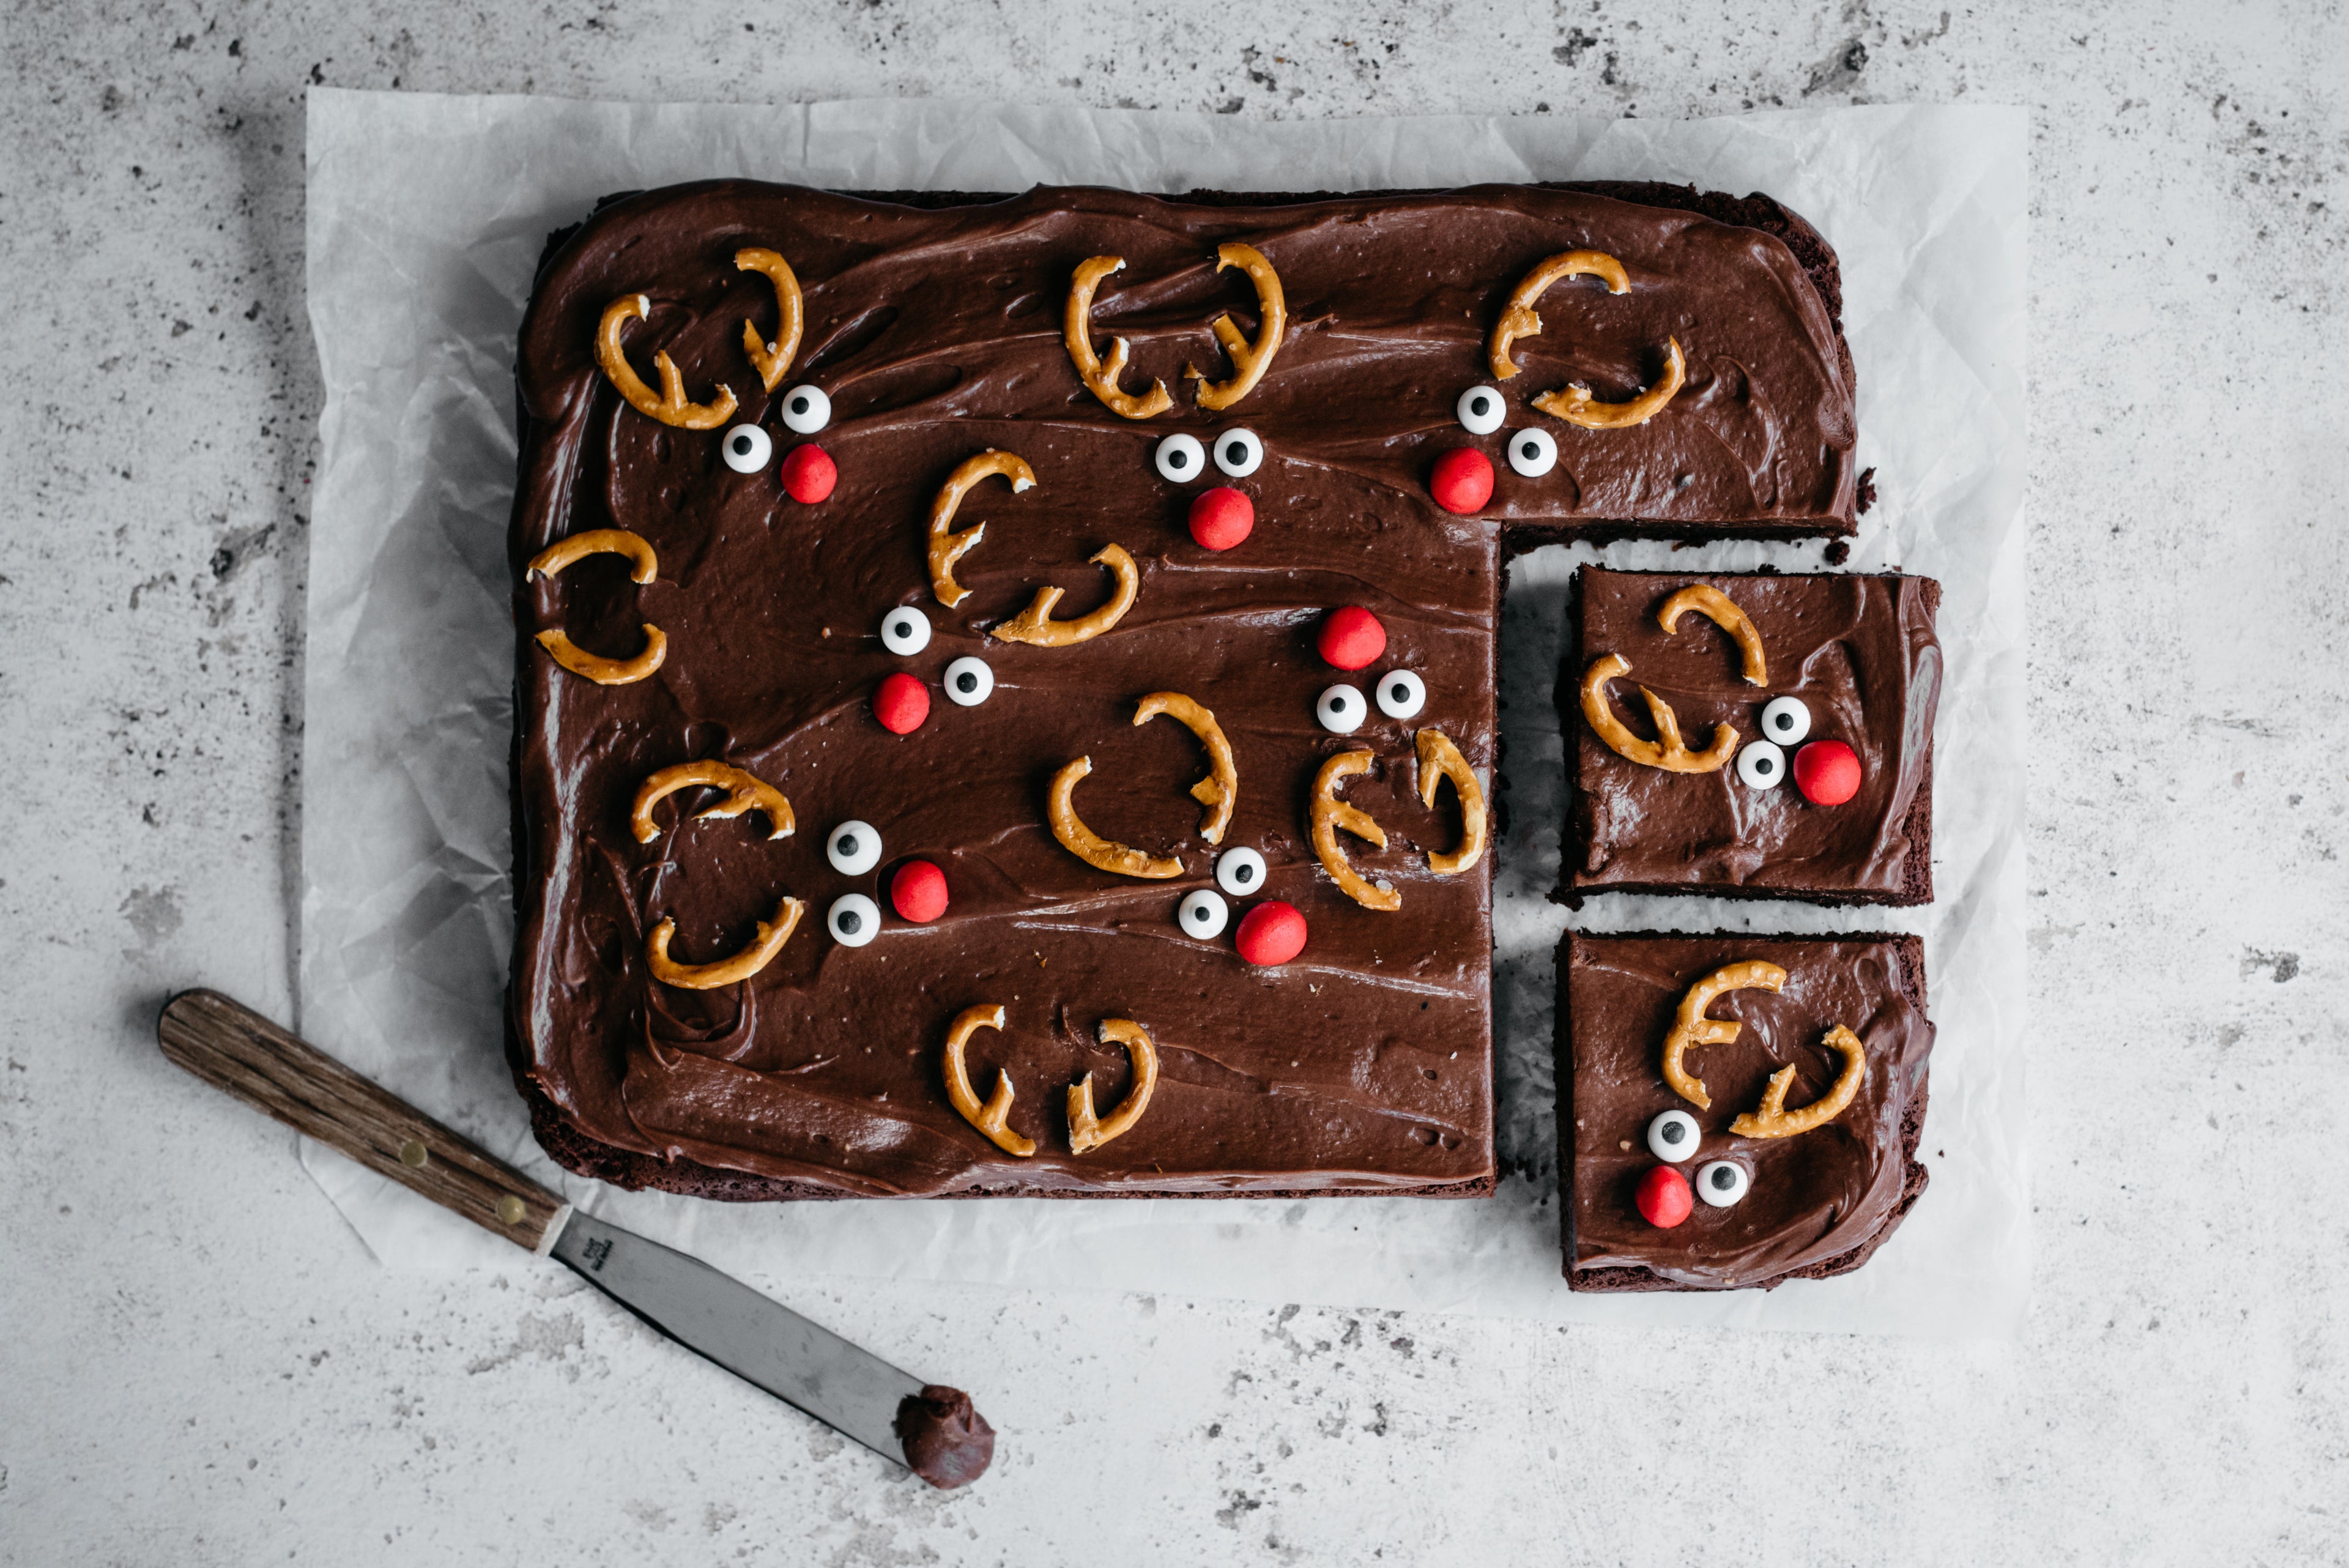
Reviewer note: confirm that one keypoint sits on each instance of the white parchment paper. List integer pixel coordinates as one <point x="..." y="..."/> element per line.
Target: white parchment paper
<point x="426" y="219"/>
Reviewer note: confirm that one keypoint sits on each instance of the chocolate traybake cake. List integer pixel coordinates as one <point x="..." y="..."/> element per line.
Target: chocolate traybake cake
<point x="1800" y="763"/>
<point x="1736" y="1110"/>
<point x="850" y="860"/>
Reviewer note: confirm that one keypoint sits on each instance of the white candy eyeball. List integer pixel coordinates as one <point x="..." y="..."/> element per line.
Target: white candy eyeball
<point x="1401" y="694"/>
<point x="969" y="682"/>
<point x="1342" y="710"/>
<point x="1785" y="721"/>
<point x="1532" y="452"/>
<point x="854" y="849"/>
<point x="1722" y="1182"/>
<point x="1674" y="1135"/>
<point x="1203" y="914"/>
<point x="905" y="630"/>
<point x="1240" y="872"/>
<point x="1760" y="765"/>
<point x="854" y="919"/>
<point x="747" y="449"/>
<point x="1181" y="458"/>
<point x="1481" y="410"/>
<point x="1238" y="453"/>
<point x="806" y="409"/>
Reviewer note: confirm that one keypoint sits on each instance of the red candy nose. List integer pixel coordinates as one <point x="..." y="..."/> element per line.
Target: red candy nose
<point x="1352" y="638"/>
<point x="1462" y="480"/>
<point x="1221" y="518"/>
<point x="1827" y="772"/>
<point x="1271" y="933"/>
<point x="809" y="474"/>
<point x="901" y="704"/>
<point x="919" y="891"/>
<point x="1665" y="1197"/>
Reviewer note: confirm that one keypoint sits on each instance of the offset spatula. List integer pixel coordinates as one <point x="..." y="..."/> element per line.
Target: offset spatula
<point x="851" y="1390"/>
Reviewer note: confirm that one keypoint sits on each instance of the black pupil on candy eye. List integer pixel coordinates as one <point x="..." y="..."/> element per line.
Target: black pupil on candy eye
<point x="966" y="682"/>
<point x="742" y="444"/>
<point x="1178" y="459"/>
<point x="1234" y="451"/>
<point x="850" y="922"/>
<point x="1762" y="766"/>
<point x="1674" y="1132"/>
<point x="1398" y="691"/>
<point x="1244" y="874"/>
<point x="1723" y="1180"/>
<point x="1530" y="449"/>
<point x="799" y="405"/>
<point x="848" y="847"/>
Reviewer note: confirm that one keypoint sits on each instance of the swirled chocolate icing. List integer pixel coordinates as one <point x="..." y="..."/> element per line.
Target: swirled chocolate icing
<point x="1816" y="1199"/>
<point x="1365" y="1064"/>
<point x="1857" y="651"/>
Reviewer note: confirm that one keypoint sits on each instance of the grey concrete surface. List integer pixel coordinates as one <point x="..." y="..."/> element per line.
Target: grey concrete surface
<point x="199" y="1364"/>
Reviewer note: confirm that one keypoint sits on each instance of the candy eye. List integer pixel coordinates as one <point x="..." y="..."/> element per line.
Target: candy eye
<point x="1238" y="453"/>
<point x="747" y="449"/>
<point x="1672" y="1137"/>
<point x="969" y="682"/>
<point x="1722" y="1182"/>
<point x="1181" y="458"/>
<point x="1240" y="872"/>
<point x="1760" y="765"/>
<point x="1342" y="710"/>
<point x="806" y="409"/>
<point x="1533" y="452"/>
<point x="854" y="849"/>
<point x="1481" y="410"/>
<point x="1401" y="694"/>
<point x="1785" y="721"/>
<point x="905" y="630"/>
<point x="854" y="919"/>
<point x="1203" y="914"/>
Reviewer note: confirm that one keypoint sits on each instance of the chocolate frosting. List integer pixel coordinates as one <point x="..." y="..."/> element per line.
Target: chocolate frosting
<point x="1860" y="654"/>
<point x="1365" y="1065"/>
<point x="947" y="1442"/>
<point x="1813" y="1197"/>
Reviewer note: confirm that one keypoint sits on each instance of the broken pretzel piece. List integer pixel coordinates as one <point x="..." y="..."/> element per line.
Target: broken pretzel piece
<point x="669" y="405"/>
<point x="1722" y="610"/>
<point x="1692" y="1027"/>
<point x="1100" y="376"/>
<point x="1576" y="406"/>
<point x="1036" y="626"/>
<point x="1439" y="759"/>
<point x="643" y="564"/>
<point x="1329" y="813"/>
<point x="946" y="546"/>
<point x="1085" y="1133"/>
<point x="745" y="792"/>
<point x="772" y="359"/>
<point x="1518" y="318"/>
<point x="606" y="671"/>
<point x="994" y="1117"/>
<point x="1667" y="750"/>
<point x="769" y="941"/>
<point x="1101" y="853"/>
<point x="1249" y="360"/>
<point x="1220" y="792"/>
<point x="1774" y="1120"/>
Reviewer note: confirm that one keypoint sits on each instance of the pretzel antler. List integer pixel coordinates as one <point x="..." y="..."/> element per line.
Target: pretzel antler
<point x="1098" y="374"/>
<point x="773" y="359"/>
<point x="1249" y="360"/>
<point x="1667" y="750"/>
<point x="669" y="405"/>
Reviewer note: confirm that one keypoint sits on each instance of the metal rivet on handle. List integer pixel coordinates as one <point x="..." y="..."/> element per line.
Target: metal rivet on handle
<point x="509" y="1209"/>
<point x="413" y="1154"/>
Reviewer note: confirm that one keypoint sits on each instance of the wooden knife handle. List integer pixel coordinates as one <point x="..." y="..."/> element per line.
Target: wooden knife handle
<point x="235" y="1049"/>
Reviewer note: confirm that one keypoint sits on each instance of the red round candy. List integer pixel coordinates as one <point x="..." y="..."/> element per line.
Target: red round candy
<point x="901" y="704"/>
<point x="809" y="474"/>
<point x="1665" y="1197"/>
<point x="1271" y="933"/>
<point x="1221" y="518"/>
<point x="919" y="891"/>
<point x="1352" y="638"/>
<point x="1827" y="772"/>
<point x="1462" y="480"/>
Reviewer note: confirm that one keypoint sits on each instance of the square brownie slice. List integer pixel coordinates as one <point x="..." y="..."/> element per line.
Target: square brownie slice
<point x="1841" y="812"/>
<point x="1822" y="1167"/>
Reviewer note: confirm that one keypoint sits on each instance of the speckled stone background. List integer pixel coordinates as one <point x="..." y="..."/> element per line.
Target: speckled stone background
<point x="200" y="1364"/>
